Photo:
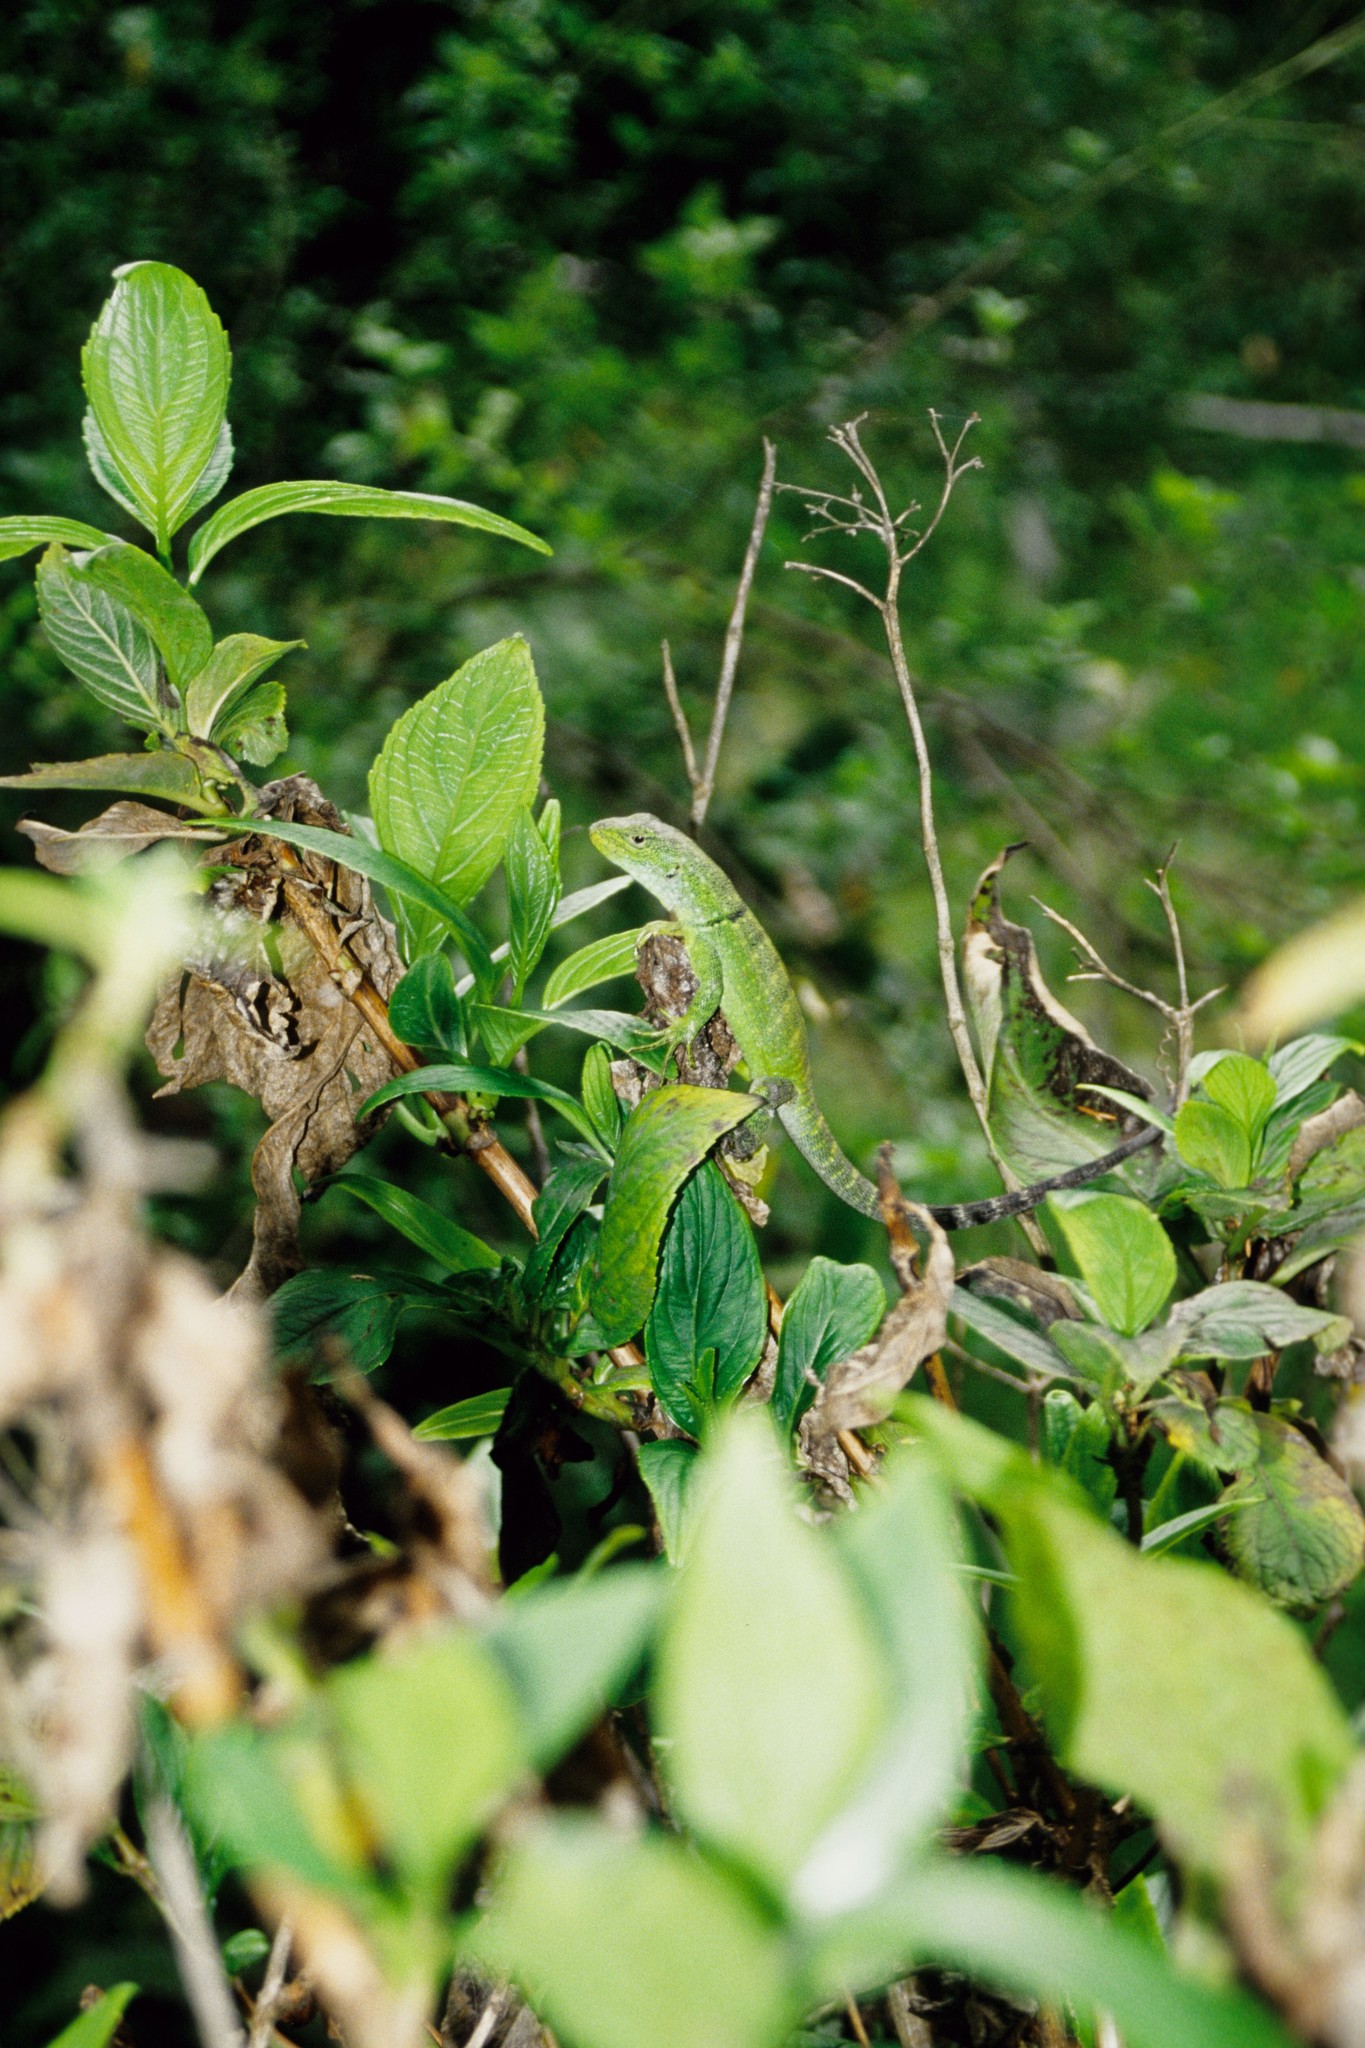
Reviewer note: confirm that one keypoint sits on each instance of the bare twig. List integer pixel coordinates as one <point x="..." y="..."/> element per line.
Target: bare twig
<point x="684" y="730"/>
<point x="201" y="1966"/>
<point x="272" y="1988"/>
<point x="488" y="2020"/>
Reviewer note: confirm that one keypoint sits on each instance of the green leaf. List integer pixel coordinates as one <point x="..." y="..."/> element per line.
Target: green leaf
<point x="1303" y="1061"/>
<point x="668" y="1469"/>
<point x="176" y="623"/>
<point x="985" y="1319"/>
<point x="532" y="894"/>
<point x="621" y="1940"/>
<point x="1124" y="1255"/>
<point x="349" y="850"/>
<point x="20" y="535"/>
<point x="833" y="1311"/>
<point x="228" y="672"/>
<point x="459" y="1251"/>
<point x="1109" y="1362"/>
<point x="617" y="1027"/>
<point x="343" y="501"/>
<point x="430" y="1739"/>
<point x="1301" y="1539"/>
<point x="558" y="1206"/>
<point x="454" y="772"/>
<point x="599" y="1097"/>
<point x="1170" y="1535"/>
<point x="1246" y="1090"/>
<point x="665" y="1137"/>
<point x="1076" y="1440"/>
<point x="238" y="1791"/>
<point x="1244" y="1318"/>
<point x="424" y="1008"/>
<point x="461" y="1078"/>
<point x="254" y="730"/>
<point x="102" y="643"/>
<point x="1247" y="1733"/>
<point x="478" y="1416"/>
<point x="567" y="1647"/>
<point x="170" y="776"/>
<point x="156" y="371"/>
<point x="710" y="1297"/>
<point x="770" y="1687"/>
<point x="344" y="1318"/>
<point x="1210" y="1139"/>
<point x="97" y="2026"/>
<point x="1037" y="1939"/>
<point x="243" y="1951"/>
<point x="603" y="960"/>
<point x="1223" y="1440"/>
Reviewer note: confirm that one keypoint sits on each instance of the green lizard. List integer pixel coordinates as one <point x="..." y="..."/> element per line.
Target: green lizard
<point x="738" y="971"/>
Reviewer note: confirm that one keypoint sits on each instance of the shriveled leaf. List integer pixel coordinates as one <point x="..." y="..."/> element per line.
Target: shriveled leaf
<point x="227" y="674"/>
<point x="709" y="1298"/>
<point x="440" y="1237"/>
<point x="664" y="1139"/>
<point x="103" y="644"/>
<point x="833" y="1310"/>
<point x="454" y="772"/>
<point x="604" y="960"/>
<point x="167" y="775"/>
<point x="1244" y="1318"/>
<point x="156" y="370"/>
<point x="1302" y="1538"/>
<point x="478" y="1416"/>
<point x="765" y="1620"/>
<point x="1125" y="1257"/>
<point x="532" y="893"/>
<point x="424" y="1008"/>
<point x="1248" y="1733"/>
<point x="668" y="1469"/>
<point x="1040" y="1062"/>
<point x="158" y="603"/>
<point x="859" y="1390"/>
<point x="115" y="835"/>
<point x="567" y="1648"/>
<point x="343" y="501"/>
<point x="20" y="535"/>
<point x="622" y="1939"/>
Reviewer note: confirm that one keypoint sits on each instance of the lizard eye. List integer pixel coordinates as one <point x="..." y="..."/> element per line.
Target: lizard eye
<point x="637" y="838"/>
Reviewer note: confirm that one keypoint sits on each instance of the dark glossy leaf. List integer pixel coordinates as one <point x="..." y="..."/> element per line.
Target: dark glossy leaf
<point x="442" y="1239"/>
<point x="462" y="1078"/>
<point x="668" y="1469"/>
<point x="480" y="1415"/>
<point x="560" y="1203"/>
<point x="424" y="1009"/>
<point x="834" y="1310"/>
<point x="709" y="1300"/>
<point x="339" y="1318"/>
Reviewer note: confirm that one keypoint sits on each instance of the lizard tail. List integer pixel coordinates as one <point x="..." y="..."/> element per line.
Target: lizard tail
<point x="813" y="1138"/>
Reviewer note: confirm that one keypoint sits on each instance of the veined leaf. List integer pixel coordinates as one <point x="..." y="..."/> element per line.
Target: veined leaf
<point x="424" y="1008"/>
<point x="1243" y="1318"/>
<point x="558" y="1206"/>
<point x="352" y="1318"/>
<point x="342" y="501"/>
<point x="461" y="1078"/>
<point x="156" y="370"/>
<point x="1026" y="1347"/>
<point x="1245" y="1089"/>
<point x="168" y="612"/>
<point x="102" y="643"/>
<point x="603" y="960"/>
<point x="709" y="1299"/>
<point x="458" y="1250"/>
<point x="454" y="772"/>
<point x="228" y="672"/>
<point x="20" y="535"/>
<point x="254" y="729"/>
<point x="533" y="890"/>
<point x="478" y="1416"/>
<point x="576" y="904"/>
<point x="1297" y="1531"/>
<point x="599" y="1097"/>
<point x="168" y="775"/>
<point x="666" y="1136"/>
<point x="834" y="1310"/>
<point x="1125" y="1256"/>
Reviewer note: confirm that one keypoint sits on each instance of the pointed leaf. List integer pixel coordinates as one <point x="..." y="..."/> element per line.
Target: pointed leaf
<point x="167" y="775"/>
<point x="102" y="643"/>
<point x="215" y="473"/>
<point x="1245" y="1089"/>
<point x="442" y="1239"/>
<point x="558" y="1206"/>
<point x="604" y="960"/>
<point x="480" y="1415"/>
<point x="1125" y="1257"/>
<point x="424" y="1008"/>
<point x="532" y="893"/>
<point x="168" y="612"/>
<point x="1213" y="1141"/>
<point x="228" y="672"/>
<point x="668" y="1469"/>
<point x="337" y="1318"/>
<point x="97" y="2026"/>
<point x="461" y="1078"/>
<point x="599" y="1097"/>
<point x="1245" y="1318"/>
<point x="666" y="1136"/>
<point x="710" y="1297"/>
<point x="254" y="730"/>
<point x="343" y="501"/>
<point x="834" y="1310"/>
<point x="1299" y="1534"/>
<point x="454" y="772"/>
<point x="156" y="370"/>
<point x="20" y="535"/>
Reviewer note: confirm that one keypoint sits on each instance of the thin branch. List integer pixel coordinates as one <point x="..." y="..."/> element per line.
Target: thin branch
<point x="272" y="1989"/>
<point x="196" y="1951"/>
<point x="833" y="576"/>
<point x="684" y="730"/>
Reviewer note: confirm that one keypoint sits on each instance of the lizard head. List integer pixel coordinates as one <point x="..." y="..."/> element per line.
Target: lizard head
<point x="650" y="851"/>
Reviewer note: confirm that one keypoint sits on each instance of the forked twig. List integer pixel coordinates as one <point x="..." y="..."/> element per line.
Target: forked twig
<point x="702" y="780"/>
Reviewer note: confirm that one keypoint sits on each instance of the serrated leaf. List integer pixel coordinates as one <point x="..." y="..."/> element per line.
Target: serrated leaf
<point x="424" y="1008"/>
<point x="1298" y="1532"/>
<point x="156" y="370"/>
<point x="164" y="774"/>
<point x="600" y="1098"/>
<point x="168" y="612"/>
<point x="1244" y="1318"/>
<point x="709" y="1299"/>
<point x="343" y="501"/>
<point x="665" y="1137"/>
<point x="1125" y="1257"/>
<point x="254" y="730"/>
<point x="532" y="893"/>
<point x="442" y="1239"/>
<point x="603" y="960"/>
<point x="20" y="535"/>
<point x="1211" y="1139"/>
<point x="454" y="772"/>
<point x="765" y="1621"/>
<point x="215" y="473"/>
<point x="228" y="672"/>
<point x="102" y="643"/>
<point x="834" y="1310"/>
<point x="480" y="1415"/>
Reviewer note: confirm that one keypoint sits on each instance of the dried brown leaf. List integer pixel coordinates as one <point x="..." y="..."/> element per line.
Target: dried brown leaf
<point x="124" y="829"/>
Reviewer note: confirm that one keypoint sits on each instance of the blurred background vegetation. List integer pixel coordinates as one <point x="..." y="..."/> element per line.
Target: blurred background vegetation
<point x="574" y="260"/>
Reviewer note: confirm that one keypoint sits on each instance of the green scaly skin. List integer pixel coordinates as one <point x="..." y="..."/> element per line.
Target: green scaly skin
<point x="740" y="972"/>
